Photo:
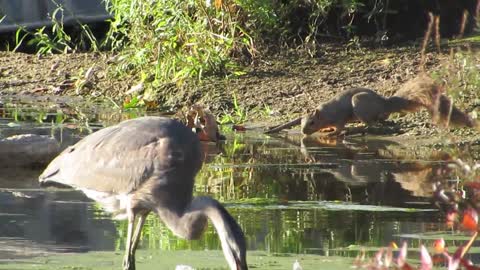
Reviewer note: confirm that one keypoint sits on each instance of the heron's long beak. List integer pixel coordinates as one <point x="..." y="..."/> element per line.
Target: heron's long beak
<point x="239" y="264"/>
<point x="239" y="267"/>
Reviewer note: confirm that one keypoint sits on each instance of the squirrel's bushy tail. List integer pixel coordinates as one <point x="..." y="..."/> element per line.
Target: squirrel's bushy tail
<point x="423" y="91"/>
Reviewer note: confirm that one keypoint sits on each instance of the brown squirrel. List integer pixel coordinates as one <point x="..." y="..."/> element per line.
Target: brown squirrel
<point x="368" y="107"/>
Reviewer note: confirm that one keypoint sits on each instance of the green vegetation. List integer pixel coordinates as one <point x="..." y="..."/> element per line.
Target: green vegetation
<point x="171" y="41"/>
<point x="237" y="116"/>
<point x="462" y="79"/>
<point x="55" y="39"/>
<point x="460" y="70"/>
<point x="176" y="42"/>
<point x="81" y="114"/>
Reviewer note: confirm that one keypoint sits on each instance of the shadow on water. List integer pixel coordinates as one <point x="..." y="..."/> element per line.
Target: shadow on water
<point x="291" y="196"/>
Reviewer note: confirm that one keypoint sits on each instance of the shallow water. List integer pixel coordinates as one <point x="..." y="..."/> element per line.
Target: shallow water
<point x="294" y="199"/>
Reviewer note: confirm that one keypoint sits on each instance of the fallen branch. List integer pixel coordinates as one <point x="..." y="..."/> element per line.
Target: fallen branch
<point x="290" y="124"/>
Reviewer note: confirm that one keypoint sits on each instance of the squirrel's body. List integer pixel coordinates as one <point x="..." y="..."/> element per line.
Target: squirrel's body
<point x="365" y="105"/>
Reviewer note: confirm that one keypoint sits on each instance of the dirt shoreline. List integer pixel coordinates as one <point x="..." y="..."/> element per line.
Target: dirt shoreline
<point x="273" y="90"/>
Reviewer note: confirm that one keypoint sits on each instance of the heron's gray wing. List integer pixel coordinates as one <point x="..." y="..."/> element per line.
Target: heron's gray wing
<point x="120" y="158"/>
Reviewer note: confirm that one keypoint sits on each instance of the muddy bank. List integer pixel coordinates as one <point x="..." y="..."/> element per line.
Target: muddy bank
<point x="274" y="89"/>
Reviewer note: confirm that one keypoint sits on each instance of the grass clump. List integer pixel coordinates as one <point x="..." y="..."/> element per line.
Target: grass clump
<point x="238" y="115"/>
<point x="165" y="41"/>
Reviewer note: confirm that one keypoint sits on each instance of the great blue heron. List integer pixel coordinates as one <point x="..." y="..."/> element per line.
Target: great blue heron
<point x="143" y="165"/>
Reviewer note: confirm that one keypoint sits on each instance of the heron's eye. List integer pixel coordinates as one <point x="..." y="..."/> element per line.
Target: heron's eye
<point x="311" y="123"/>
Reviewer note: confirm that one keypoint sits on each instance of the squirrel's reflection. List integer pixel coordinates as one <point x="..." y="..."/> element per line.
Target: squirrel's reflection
<point x="383" y="166"/>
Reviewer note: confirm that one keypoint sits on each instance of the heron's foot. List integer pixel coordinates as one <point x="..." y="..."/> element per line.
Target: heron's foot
<point x="129" y="263"/>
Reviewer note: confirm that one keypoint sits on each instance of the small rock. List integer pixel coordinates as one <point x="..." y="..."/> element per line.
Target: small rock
<point x="184" y="267"/>
<point x="96" y="94"/>
<point x="135" y="89"/>
<point x="27" y="150"/>
<point x="297" y="266"/>
<point x="90" y="73"/>
<point x="58" y="90"/>
<point x="54" y="66"/>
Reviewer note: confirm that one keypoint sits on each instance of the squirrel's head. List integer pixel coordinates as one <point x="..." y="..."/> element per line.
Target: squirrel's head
<point x="313" y="122"/>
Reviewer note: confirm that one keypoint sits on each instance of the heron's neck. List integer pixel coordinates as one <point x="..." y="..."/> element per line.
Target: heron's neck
<point x="191" y="223"/>
<point x="222" y="223"/>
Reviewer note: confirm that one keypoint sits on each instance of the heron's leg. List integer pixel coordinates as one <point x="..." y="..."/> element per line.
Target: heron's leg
<point x="129" y="260"/>
<point x="138" y="231"/>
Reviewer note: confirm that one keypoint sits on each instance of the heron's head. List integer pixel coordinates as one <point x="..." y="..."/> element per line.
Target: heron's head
<point x="231" y="236"/>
